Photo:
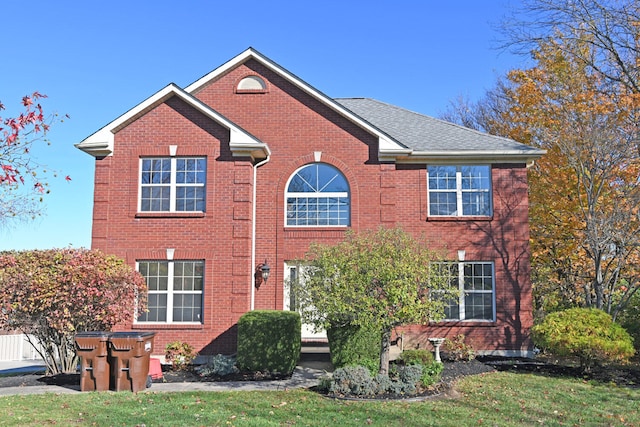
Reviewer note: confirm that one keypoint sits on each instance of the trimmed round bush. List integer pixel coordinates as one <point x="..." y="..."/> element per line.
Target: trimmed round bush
<point x="589" y="334"/>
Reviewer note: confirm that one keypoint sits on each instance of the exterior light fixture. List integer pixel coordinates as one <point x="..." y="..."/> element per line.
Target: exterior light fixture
<point x="265" y="270"/>
<point x="262" y="273"/>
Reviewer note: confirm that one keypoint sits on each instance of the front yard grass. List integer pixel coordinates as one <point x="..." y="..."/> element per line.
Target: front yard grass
<point x="502" y="399"/>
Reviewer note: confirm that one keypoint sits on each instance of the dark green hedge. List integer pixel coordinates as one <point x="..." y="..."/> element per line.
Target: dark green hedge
<point x="354" y="345"/>
<point x="269" y="340"/>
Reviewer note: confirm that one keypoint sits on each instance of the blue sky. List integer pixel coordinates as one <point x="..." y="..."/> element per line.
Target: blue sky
<point x="96" y="60"/>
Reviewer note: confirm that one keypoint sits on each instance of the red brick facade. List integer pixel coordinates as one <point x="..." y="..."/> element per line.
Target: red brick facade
<point x="295" y="126"/>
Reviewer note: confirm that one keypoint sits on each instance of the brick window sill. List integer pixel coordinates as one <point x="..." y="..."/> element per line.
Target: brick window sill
<point x="315" y="232"/>
<point x="170" y="215"/>
<point x="466" y="323"/>
<point x="460" y="218"/>
<point x="168" y="326"/>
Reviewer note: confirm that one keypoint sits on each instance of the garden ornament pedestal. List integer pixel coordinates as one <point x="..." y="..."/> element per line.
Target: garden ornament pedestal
<point x="437" y="342"/>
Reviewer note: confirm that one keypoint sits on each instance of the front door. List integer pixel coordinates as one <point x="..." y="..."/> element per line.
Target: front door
<point x="292" y="273"/>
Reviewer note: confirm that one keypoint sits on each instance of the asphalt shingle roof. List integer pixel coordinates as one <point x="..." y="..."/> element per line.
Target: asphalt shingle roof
<point x="427" y="134"/>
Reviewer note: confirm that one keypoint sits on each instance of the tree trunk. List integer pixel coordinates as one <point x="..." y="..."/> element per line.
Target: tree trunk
<point x="598" y="285"/>
<point x="384" y="352"/>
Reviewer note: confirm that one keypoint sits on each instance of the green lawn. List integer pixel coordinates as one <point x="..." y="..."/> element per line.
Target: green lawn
<point x="503" y="399"/>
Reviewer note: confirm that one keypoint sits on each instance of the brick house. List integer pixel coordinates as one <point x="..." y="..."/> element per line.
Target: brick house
<point x="198" y="186"/>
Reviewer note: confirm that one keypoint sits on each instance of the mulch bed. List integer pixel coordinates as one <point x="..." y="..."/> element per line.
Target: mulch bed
<point x="622" y="376"/>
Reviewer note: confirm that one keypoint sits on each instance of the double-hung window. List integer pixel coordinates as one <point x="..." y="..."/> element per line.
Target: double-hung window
<point x="174" y="291"/>
<point x="172" y="184"/>
<point x="459" y="190"/>
<point x="476" y="300"/>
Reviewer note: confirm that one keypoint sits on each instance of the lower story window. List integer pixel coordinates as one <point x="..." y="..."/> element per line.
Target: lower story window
<point x="174" y="291"/>
<point x="477" y="288"/>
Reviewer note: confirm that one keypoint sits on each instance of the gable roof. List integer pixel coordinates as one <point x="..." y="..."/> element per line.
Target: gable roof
<point x="387" y="146"/>
<point x="403" y="136"/>
<point x="436" y="140"/>
<point x="242" y="143"/>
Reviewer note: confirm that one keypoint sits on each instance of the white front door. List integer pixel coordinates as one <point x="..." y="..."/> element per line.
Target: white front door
<point x="292" y="273"/>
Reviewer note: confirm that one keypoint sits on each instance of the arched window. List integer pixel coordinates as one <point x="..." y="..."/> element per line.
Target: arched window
<point x="317" y="195"/>
<point x="252" y="84"/>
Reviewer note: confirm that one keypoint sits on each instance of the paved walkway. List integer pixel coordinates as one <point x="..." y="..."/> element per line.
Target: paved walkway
<point x="305" y="375"/>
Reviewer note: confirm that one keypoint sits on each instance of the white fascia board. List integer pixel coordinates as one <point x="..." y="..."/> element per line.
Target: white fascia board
<point x="385" y="142"/>
<point x="472" y="156"/>
<point x="101" y="143"/>
<point x="233" y="62"/>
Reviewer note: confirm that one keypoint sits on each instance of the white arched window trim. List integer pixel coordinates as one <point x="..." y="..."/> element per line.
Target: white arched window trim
<point x="322" y="198"/>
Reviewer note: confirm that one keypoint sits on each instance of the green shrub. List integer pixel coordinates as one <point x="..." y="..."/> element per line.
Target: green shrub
<point x="353" y="345"/>
<point x="409" y="376"/>
<point x="180" y="354"/>
<point x="431" y="373"/>
<point x="269" y="340"/>
<point x="358" y="381"/>
<point x="220" y="365"/>
<point x="588" y="334"/>
<point x="354" y="380"/>
<point x="416" y="357"/>
<point x="457" y="350"/>
<point x="372" y="365"/>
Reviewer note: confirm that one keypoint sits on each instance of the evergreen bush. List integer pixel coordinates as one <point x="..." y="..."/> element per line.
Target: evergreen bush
<point x="353" y="345"/>
<point x="269" y="340"/>
<point x="220" y="365"/>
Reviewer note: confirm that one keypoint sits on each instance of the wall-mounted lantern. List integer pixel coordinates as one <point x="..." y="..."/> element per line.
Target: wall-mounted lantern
<point x="262" y="273"/>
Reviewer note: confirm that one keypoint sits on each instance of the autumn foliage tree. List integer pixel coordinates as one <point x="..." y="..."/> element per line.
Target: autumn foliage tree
<point x="22" y="179"/>
<point x="584" y="200"/>
<point x="51" y="295"/>
<point x="383" y="278"/>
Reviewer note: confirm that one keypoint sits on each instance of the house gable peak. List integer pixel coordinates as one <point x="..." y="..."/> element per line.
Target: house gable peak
<point x="242" y="143"/>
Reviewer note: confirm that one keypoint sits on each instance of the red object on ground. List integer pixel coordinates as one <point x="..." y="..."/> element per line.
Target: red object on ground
<point x="155" y="369"/>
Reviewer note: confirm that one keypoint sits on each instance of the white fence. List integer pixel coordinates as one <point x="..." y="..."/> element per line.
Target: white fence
<point x="16" y="347"/>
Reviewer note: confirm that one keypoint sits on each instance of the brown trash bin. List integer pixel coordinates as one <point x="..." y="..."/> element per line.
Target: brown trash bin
<point x="129" y="354"/>
<point x="92" y="348"/>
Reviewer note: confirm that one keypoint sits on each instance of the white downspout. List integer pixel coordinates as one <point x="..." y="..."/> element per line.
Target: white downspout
<point x="253" y="230"/>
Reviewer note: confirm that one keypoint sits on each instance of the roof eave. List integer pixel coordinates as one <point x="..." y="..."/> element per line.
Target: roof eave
<point x="467" y="156"/>
<point x="96" y="147"/>
<point x="255" y="150"/>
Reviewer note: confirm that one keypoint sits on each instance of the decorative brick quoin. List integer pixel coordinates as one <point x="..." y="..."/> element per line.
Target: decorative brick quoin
<point x="197" y="187"/>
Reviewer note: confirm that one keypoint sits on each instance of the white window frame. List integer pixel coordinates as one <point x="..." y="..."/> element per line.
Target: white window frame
<point x="171" y="292"/>
<point x="173" y="185"/>
<point x="463" y="292"/>
<point x="319" y="194"/>
<point x="459" y="191"/>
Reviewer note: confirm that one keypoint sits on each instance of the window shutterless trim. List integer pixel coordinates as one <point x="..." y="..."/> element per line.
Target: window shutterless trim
<point x="337" y="203"/>
<point x="171" y="292"/>
<point x="173" y="186"/>
<point x="464" y="292"/>
<point x="459" y="192"/>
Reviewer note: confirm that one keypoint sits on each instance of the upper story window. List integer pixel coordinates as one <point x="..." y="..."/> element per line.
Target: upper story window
<point x="174" y="291"/>
<point x="172" y="184"/>
<point x="459" y="190"/>
<point x="317" y="195"/>
<point x="476" y="300"/>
